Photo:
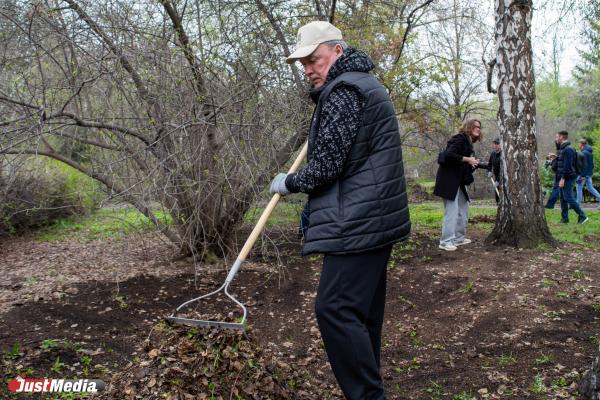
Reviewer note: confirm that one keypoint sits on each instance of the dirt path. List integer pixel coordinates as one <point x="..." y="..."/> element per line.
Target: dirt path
<point x="492" y="322"/>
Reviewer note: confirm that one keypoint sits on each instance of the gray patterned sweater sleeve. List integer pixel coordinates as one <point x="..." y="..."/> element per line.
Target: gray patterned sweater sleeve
<point x="338" y="127"/>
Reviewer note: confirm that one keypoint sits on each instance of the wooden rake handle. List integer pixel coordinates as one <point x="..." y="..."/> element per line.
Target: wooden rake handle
<point x="262" y="221"/>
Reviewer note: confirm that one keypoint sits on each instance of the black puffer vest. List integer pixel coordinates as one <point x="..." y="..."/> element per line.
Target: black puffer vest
<point x="567" y="172"/>
<point x="367" y="207"/>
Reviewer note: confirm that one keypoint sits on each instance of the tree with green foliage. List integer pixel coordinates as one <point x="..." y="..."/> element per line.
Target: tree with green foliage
<point x="591" y="37"/>
<point x="587" y="73"/>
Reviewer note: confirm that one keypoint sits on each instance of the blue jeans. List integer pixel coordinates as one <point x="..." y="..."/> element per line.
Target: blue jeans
<point x="456" y="215"/>
<point x="567" y="199"/>
<point x="554" y="195"/>
<point x="587" y="181"/>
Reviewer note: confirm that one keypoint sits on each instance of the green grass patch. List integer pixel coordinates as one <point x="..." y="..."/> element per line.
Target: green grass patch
<point x="429" y="216"/>
<point x="574" y="232"/>
<point x="426" y="216"/>
<point x="544" y="359"/>
<point x="467" y="287"/>
<point x="506" y="359"/>
<point x="106" y="223"/>
<point x="464" y="395"/>
<point x="548" y="283"/>
<point x="434" y="391"/>
<point x="427" y="184"/>
<point x="538" y="386"/>
<point x="285" y="213"/>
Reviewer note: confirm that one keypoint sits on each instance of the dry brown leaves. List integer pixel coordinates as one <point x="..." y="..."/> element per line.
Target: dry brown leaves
<point x="183" y="363"/>
<point x="31" y="270"/>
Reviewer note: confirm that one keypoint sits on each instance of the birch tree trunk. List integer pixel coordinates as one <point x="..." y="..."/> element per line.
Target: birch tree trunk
<point x="521" y="220"/>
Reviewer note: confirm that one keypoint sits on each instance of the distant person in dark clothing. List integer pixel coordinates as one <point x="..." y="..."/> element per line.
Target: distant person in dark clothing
<point x="586" y="176"/>
<point x="493" y="166"/>
<point x="552" y="163"/>
<point x="566" y="173"/>
<point x="455" y="173"/>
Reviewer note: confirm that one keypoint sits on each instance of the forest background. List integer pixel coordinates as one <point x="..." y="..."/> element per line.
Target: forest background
<point x="185" y="110"/>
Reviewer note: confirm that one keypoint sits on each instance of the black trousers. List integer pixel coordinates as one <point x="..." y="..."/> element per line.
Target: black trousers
<point x="349" y="307"/>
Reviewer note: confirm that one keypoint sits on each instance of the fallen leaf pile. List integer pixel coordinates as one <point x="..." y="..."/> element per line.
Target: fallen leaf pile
<point x="186" y="363"/>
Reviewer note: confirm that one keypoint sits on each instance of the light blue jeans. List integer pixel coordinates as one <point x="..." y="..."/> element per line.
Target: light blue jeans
<point x="456" y="215"/>
<point x="587" y="180"/>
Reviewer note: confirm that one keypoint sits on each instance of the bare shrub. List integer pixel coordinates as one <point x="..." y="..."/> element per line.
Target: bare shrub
<point x="31" y="200"/>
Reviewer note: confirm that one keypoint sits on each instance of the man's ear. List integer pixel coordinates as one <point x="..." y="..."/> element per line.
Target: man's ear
<point x="339" y="50"/>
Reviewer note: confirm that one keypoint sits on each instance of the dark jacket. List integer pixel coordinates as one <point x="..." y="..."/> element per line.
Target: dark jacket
<point x="365" y="207"/>
<point x="554" y="162"/>
<point x="453" y="173"/>
<point x="566" y="162"/>
<point x="589" y="160"/>
<point x="494" y="164"/>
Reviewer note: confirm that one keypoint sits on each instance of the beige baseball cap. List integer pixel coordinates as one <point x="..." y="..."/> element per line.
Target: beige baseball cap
<point x="310" y="36"/>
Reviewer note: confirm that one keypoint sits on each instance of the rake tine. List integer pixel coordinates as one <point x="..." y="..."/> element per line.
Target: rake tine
<point x="262" y="221"/>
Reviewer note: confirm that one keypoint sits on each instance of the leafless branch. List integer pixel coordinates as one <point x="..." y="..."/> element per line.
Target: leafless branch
<point x="410" y="20"/>
<point x="282" y="42"/>
<point x="99" y="125"/>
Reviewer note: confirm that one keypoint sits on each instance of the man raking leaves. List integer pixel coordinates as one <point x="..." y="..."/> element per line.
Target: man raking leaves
<point x="357" y="202"/>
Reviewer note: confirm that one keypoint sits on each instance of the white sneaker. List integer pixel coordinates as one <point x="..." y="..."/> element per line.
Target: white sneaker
<point x="448" y="247"/>
<point x="464" y="241"/>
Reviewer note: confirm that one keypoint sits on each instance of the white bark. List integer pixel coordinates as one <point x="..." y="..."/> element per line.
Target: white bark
<point x="521" y="219"/>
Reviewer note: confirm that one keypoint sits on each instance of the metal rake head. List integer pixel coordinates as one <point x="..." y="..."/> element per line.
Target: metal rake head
<point x="241" y="326"/>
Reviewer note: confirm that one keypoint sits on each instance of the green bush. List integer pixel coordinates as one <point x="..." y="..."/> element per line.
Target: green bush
<point x="78" y="188"/>
<point x="547" y="179"/>
<point x="41" y="192"/>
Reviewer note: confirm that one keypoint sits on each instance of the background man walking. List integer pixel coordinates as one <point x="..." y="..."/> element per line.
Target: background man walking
<point x="586" y="176"/>
<point x="566" y="173"/>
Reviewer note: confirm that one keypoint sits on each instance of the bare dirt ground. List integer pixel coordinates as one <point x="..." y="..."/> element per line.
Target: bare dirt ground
<point x="484" y="322"/>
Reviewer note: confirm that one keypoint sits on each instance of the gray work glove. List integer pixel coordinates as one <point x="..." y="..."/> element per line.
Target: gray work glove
<point x="278" y="184"/>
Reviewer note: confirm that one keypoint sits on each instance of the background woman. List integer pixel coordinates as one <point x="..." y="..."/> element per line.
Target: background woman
<point x="455" y="173"/>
